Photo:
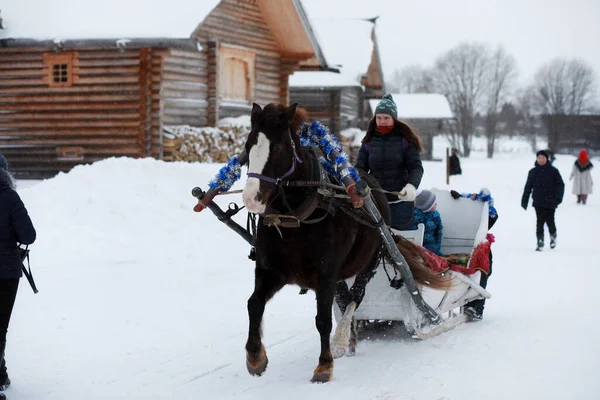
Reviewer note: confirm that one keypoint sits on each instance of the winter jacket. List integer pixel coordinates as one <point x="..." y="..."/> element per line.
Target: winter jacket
<point x="432" y="240"/>
<point x="391" y="160"/>
<point x="582" y="184"/>
<point x="15" y="226"/>
<point x="455" y="165"/>
<point x="547" y="186"/>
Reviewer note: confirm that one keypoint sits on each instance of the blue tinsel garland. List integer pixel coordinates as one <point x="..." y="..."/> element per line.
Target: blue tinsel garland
<point x="227" y="176"/>
<point x="315" y="134"/>
<point x="485" y="197"/>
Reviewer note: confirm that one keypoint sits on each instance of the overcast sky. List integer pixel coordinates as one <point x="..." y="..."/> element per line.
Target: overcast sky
<point x="418" y="31"/>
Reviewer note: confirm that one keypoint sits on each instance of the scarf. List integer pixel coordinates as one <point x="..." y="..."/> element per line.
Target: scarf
<point x="384" y="130"/>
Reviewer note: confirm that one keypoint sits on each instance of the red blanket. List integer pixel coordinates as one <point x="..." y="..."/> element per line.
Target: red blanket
<point x="479" y="259"/>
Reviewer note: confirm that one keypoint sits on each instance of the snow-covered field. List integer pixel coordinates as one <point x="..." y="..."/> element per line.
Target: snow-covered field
<point x="142" y="298"/>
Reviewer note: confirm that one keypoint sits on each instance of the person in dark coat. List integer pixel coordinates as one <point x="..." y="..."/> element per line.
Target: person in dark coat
<point x="548" y="189"/>
<point x="15" y="227"/>
<point x="391" y="153"/>
<point x="455" y="163"/>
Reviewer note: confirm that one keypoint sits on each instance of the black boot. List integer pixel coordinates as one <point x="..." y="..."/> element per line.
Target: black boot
<point x="540" y="244"/>
<point x="4" y="379"/>
<point x="578" y="199"/>
<point x="553" y="240"/>
<point x="474" y="310"/>
<point x="584" y="199"/>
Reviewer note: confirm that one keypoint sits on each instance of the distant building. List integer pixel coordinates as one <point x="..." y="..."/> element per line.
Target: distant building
<point x="574" y="133"/>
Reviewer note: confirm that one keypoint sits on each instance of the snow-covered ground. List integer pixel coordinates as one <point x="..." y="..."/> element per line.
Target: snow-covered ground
<point x="142" y="298"/>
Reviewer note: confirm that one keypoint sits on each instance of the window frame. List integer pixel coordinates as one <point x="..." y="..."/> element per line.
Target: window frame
<point x="68" y="59"/>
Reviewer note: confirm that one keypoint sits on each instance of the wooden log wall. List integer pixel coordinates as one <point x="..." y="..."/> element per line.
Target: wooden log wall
<point x="112" y="108"/>
<point x="238" y="23"/>
<point x="184" y="88"/>
<point x="322" y="105"/>
<point x="351" y="108"/>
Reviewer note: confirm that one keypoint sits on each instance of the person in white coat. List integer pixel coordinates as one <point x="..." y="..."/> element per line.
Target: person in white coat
<point x="582" y="177"/>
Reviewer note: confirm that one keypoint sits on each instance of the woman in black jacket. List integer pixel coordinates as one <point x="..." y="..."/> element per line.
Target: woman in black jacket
<point x="390" y="152"/>
<point x="15" y="227"/>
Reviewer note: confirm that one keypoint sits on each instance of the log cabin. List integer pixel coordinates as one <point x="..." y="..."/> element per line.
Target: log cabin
<point x="83" y="81"/>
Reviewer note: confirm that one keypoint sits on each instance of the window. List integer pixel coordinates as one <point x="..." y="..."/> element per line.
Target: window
<point x="69" y="153"/>
<point x="60" y="69"/>
<point x="236" y="74"/>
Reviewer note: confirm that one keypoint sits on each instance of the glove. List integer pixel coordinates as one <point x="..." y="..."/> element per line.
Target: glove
<point x="455" y="195"/>
<point x="408" y="193"/>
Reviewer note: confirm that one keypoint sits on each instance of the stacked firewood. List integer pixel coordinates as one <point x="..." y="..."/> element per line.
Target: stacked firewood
<point x="203" y="144"/>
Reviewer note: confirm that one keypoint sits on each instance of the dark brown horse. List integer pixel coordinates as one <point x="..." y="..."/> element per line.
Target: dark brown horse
<point x="315" y="256"/>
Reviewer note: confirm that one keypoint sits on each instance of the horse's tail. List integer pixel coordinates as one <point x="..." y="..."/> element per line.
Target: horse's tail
<point x="417" y="263"/>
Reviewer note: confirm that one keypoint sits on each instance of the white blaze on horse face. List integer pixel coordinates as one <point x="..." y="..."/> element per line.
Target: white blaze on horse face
<point x="259" y="154"/>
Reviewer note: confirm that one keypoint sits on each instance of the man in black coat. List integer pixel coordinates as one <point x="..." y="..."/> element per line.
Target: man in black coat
<point x="15" y="226"/>
<point x="548" y="190"/>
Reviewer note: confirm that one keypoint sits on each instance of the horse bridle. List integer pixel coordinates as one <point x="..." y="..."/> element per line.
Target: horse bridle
<point x="277" y="181"/>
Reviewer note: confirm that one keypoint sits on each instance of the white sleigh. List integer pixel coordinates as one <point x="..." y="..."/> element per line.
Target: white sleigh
<point x="465" y="225"/>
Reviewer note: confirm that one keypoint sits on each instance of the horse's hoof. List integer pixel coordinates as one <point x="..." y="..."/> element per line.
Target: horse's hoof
<point x="257" y="370"/>
<point x="351" y="352"/>
<point x="322" y="374"/>
<point x="258" y="364"/>
<point x="338" y="350"/>
<point x="322" y="377"/>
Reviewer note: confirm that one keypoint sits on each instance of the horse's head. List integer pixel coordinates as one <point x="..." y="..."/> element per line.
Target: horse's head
<point x="272" y="153"/>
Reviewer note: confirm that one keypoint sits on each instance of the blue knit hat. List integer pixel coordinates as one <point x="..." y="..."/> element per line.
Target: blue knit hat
<point x="425" y="200"/>
<point x="3" y="163"/>
<point x="387" y="106"/>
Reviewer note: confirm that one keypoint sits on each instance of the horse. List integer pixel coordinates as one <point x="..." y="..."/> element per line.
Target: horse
<point x="317" y="256"/>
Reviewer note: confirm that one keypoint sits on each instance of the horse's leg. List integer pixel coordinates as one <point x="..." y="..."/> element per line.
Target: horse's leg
<point x="265" y="286"/>
<point x="345" y="339"/>
<point x="341" y="338"/>
<point x="353" y="338"/>
<point x="325" y="293"/>
<point x="342" y="296"/>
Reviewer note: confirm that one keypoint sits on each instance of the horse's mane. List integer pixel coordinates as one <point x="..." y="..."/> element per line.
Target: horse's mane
<point x="300" y="117"/>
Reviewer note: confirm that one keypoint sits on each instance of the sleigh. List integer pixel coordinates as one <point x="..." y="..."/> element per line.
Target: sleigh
<point x="465" y="225"/>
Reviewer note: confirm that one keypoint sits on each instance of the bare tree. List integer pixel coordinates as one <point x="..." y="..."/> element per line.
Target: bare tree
<point x="413" y="79"/>
<point x="527" y="107"/>
<point x="501" y="76"/>
<point x="461" y="76"/>
<point x="563" y="87"/>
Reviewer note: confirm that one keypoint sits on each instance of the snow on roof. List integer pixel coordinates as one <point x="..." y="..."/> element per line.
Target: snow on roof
<point x="105" y="19"/>
<point x="419" y="105"/>
<point x="346" y="43"/>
